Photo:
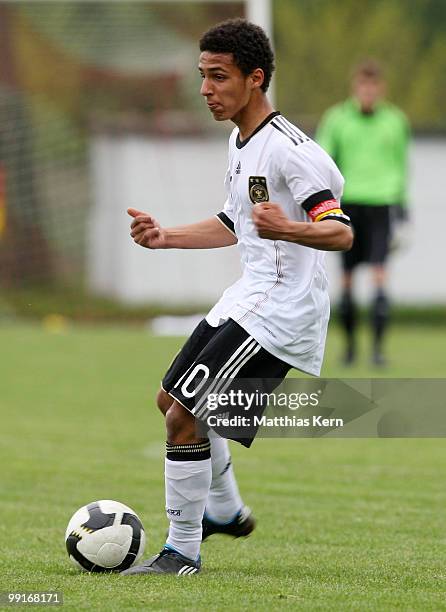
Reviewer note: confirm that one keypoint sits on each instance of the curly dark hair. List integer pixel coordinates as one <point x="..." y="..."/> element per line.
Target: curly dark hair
<point x="248" y="44"/>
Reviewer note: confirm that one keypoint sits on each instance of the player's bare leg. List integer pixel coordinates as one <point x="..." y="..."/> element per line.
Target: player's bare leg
<point x="379" y="313"/>
<point x="164" y="401"/>
<point x="348" y="317"/>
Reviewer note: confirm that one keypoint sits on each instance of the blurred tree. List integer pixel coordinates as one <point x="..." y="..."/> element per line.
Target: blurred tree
<point x="23" y="235"/>
<point x="431" y="14"/>
<point x="318" y="42"/>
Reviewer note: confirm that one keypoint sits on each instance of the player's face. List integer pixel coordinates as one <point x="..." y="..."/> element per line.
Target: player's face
<point x="368" y="91"/>
<point x="226" y="89"/>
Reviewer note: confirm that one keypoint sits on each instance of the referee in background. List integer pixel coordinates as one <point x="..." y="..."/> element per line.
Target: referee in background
<point x="368" y="138"/>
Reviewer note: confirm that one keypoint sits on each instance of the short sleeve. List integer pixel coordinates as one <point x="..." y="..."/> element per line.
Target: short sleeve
<point x="226" y="216"/>
<point x="315" y="183"/>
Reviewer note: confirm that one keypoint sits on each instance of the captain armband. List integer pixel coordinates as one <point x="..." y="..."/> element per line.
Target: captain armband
<point x="322" y="206"/>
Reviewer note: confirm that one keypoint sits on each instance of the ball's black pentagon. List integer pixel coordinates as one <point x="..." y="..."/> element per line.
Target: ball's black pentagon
<point x="97" y="518"/>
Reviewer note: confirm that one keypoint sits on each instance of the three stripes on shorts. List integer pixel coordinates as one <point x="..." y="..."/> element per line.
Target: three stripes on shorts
<point x="227" y="372"/>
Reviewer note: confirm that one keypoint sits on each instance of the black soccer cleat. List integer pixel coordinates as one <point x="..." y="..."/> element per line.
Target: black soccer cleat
<point x="166" y="562"/>
<point x="240" y="527"/>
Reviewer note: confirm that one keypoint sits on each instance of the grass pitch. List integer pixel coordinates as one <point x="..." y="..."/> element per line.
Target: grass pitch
<point x="342" y="524"/>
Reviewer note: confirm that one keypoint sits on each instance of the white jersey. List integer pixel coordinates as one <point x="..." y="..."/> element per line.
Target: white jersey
<point x="281" y="299"/>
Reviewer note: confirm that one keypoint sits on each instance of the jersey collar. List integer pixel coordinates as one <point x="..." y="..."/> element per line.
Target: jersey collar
<point x="378" y="106"/>
<point x="241" y="143"/>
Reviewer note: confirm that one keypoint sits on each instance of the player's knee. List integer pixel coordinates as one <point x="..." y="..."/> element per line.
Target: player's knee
<point x="180" y="425"/>
<point x="163" y="401"/>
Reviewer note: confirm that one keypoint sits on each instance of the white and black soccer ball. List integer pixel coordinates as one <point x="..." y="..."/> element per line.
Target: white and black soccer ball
<point x="105" y="536"/>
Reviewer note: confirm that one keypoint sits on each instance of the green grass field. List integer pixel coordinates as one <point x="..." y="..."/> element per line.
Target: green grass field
<point x="342" y="524"/>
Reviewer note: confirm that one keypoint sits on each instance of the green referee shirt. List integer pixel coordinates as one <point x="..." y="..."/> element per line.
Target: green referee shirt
<point x="369" y="149"/>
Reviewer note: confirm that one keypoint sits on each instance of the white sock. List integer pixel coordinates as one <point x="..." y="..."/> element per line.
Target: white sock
<point x="224" y="500"/>
<point x="187" y="488"/>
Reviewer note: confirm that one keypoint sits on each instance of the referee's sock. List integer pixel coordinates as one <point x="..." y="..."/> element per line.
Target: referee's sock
<point x="224" y="500"/>
<point x="348" y="318"/>
<point x="379" y="319"/>
<point x="188" y="475"/>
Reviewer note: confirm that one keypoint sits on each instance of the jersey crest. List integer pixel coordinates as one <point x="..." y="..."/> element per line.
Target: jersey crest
<point x="258" y="191"/>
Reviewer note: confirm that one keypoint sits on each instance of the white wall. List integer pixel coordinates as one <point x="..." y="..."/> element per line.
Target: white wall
<point x="181" y="181"/>
<point x="178" y="181"/>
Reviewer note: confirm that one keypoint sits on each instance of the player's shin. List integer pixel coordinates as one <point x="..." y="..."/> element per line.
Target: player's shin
<point x="188" y="477"/>
<point x="224" y="500"/>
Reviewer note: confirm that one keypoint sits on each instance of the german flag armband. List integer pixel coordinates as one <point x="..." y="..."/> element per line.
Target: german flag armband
<point x="322" y="206"/>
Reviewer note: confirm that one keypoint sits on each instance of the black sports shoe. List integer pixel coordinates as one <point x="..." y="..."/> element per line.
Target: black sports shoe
<point x="241" y="526"/>
<point x="166" y="562"/>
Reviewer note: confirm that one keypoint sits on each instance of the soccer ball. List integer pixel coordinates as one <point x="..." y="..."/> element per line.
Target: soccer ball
<point x="105" y="536"/>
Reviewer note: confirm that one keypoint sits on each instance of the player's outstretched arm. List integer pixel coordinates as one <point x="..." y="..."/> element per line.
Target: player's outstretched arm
<point x="330" y="235"/>
<point x="207" y="234"/>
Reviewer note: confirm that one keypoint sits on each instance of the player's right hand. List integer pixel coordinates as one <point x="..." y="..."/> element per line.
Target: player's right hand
<point x="146" y="231"/>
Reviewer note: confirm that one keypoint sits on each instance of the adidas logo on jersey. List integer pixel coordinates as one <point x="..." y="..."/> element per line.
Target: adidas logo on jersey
<point x="239" y="168"/>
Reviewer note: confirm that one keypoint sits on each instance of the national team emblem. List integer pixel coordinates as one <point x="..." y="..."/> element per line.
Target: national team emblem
<point x="258" y="191"/>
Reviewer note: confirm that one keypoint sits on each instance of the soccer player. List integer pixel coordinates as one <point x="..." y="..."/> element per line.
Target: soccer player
<point x="283" y="212"/>
<point x="368" y="138"/>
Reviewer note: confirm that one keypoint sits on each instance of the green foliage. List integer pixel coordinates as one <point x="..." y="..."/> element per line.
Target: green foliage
<point x="76" y="304"/>
<point x="319" y="42"/>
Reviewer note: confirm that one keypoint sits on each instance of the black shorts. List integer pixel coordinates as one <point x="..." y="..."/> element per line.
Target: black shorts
<point x="212" y="354"/>
<point x="372" y="234"/>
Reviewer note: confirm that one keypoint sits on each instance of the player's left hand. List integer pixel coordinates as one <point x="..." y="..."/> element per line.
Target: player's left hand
<point x="270" y="221"/>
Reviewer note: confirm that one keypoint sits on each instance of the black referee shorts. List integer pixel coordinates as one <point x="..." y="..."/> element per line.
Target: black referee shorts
<point x="221" y="359"/>
<point x="372" y="234"/>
